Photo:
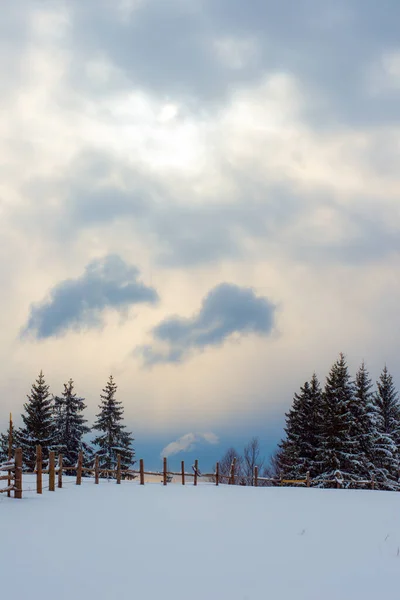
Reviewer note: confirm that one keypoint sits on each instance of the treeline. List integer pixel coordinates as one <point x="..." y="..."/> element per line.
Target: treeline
<point x="347" y="426"/>
<point x="57" y="423"/>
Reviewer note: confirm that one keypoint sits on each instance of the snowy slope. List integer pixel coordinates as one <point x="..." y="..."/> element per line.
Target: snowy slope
<point x="235" y="543"/>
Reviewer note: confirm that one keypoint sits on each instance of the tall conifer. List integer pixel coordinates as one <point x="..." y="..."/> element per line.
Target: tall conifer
<point x="387" y="430"/>
<point x="299" y="451"/>
<point x="338" y="450"/>
<point x="113" y="438"/>
<point x="362" y="431"/>
<point x="38" y="423"/>
<point x="70" y="426"/>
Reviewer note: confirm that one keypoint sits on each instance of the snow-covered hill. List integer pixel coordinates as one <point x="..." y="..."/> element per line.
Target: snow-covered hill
<point x="209" y="543"/>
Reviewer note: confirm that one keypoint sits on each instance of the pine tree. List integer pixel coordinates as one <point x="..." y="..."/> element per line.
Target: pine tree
<point x="362" y="425"/>
<point x="5" y="441"/>
<point x="38" y="423"/>
<point x="3" y="447"/>
<point x="299" y="451"/>
<point x="387" y="431"/>
<point x="338" y="451"/>
<point x="311" y="440"/>
<point x="70" y="426"/>
<point x="113" y="439"/>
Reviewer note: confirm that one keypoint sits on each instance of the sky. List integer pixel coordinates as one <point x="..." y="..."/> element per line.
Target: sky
<point x="202" y="198"/>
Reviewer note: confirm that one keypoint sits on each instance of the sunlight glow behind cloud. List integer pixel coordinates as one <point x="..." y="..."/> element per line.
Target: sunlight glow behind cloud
<point x="200" y="143"/>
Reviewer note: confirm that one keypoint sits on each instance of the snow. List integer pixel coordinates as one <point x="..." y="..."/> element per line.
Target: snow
<point x="206" y="542"/>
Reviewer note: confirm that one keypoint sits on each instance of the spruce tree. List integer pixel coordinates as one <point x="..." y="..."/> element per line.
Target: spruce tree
<point x="70" y="426"/>
<point x="338" y="451"/>
<point x="299" y="451"/>
<point x="38" y="423"/>
<point x="362" y="424"/>
<point x="113" y="438"/>
<point x="387" y="431"/>
<point x="3" y="447"/>
<point x="313" y="428"/>
<point x="4" y="444"/>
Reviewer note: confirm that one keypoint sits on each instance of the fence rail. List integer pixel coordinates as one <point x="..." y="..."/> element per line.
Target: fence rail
<point x="13" y="476"/>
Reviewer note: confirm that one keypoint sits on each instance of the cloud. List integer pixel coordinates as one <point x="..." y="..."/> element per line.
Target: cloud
<point x="78" y="303"/>
<point x="226" y="310"/>
<point x="208" y="50"/>
<point x="188" y="442"/>
<point x="182" y="225"/>
<point x="266" y="150"/>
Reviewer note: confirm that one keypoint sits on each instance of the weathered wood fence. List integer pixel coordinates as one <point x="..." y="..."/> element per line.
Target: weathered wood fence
<point x="55" y="469"/>
<point x="13" y="468"/>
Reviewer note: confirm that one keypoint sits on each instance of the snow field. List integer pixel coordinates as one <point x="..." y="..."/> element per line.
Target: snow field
<point x="215" y="543"/>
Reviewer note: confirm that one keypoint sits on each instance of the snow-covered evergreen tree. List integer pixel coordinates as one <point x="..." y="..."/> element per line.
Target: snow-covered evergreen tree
<point x="387" y="431"/>
<point x="113" y="438"/>
<point x="70" y="426"/>
<point x="348" y="427"/>
<point x="362" y="432"/>
<point x="338" y="451"/>
<point x="38" y="423"/>
<point x="298" y="452"/>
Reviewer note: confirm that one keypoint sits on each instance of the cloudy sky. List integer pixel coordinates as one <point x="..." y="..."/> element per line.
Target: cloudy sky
<point x="202" y="198"/>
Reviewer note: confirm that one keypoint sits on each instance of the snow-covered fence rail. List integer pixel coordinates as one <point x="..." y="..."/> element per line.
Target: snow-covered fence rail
<point x="13" y="468"/>
<point x="337" y="481"/>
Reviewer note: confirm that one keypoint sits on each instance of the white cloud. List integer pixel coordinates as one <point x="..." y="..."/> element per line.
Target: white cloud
<point x="211" y="438"/>
<point x="188" y="442"/>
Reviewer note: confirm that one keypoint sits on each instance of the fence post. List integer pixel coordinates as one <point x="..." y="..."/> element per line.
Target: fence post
<point x="18" y="474"/>
<point x="196" y="467"/>
<point x="373" y="482"/>
<point x="52" y="471"/>
<point x="141" y="471"/>
<point x="183" y="472"/>
<point x="308" y="480"/>
<point x="118" y="468"/>
<point x="39" y="487"/>
<point x="165" y="471"/>
<point x="96" y="470"/>
<point x="217" y="473"/>
<point x="60" y="470"/>
<point x="232" y="473"/>
<point x="79" y="469"/>
<point x="256" y="476"/>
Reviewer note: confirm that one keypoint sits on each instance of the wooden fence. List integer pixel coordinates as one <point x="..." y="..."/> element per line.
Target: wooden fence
<point x="55" y="471"/>
<point x="13" y="468"/>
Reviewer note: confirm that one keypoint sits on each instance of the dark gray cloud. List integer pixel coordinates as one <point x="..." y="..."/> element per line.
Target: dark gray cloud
<point x="226" y="310"/>
<point x="188" y="234"/>
<point x="327" y="46"/>
<point x="78" y="303"/>
<point x="183" y="229"/>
